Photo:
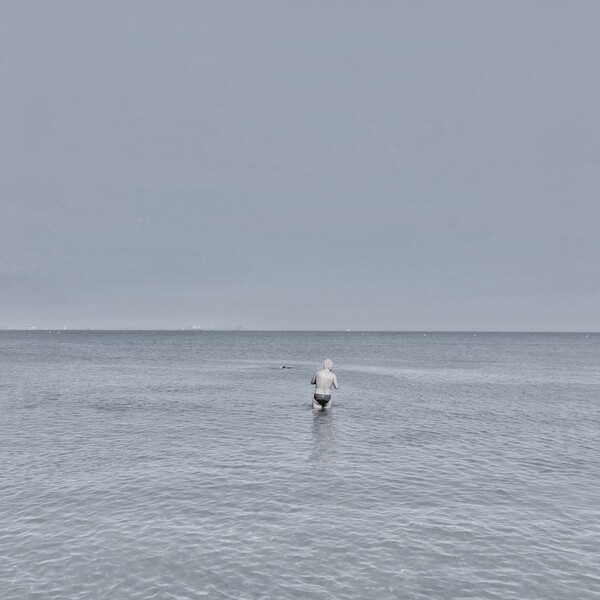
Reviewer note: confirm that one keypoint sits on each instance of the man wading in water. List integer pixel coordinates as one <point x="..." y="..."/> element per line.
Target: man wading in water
<point x="324" y="379"/>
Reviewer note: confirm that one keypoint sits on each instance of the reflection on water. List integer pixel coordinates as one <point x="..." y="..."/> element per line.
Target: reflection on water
<point x="323" y="435"/>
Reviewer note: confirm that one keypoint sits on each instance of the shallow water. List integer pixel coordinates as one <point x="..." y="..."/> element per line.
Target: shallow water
<point x="190" y="465"/>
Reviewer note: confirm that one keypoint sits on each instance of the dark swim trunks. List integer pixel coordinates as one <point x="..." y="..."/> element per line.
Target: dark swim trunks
<point x="322" y="399"/>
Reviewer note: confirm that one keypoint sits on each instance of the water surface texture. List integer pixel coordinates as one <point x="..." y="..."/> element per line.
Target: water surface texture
<point x="190" y="465"/>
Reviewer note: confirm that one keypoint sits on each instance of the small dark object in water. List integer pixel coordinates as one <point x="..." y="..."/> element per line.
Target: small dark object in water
<point x="286" y="367"/>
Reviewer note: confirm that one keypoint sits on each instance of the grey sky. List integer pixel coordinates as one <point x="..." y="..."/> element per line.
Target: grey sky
<point x="167" y="164"/>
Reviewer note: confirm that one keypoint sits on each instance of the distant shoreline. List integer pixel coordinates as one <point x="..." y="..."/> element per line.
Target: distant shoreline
<point x="242" y="331"/>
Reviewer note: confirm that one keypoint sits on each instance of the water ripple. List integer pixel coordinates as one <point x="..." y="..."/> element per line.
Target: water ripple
<point x="127" y="473"/>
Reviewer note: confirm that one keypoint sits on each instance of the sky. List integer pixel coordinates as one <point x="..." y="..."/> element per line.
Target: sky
<point x="326" y="165"/>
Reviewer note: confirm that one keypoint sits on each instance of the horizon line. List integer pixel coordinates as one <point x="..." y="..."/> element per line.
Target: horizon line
<point x="245" y="330"/>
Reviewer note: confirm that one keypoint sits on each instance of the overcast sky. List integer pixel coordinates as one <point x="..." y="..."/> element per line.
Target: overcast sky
<point x="407" y="165"/>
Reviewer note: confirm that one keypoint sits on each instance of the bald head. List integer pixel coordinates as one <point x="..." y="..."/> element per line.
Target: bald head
<point x="328" y="364"/>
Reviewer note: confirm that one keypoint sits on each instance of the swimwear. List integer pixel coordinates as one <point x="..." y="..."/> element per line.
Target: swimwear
<point x="322" y="399"/>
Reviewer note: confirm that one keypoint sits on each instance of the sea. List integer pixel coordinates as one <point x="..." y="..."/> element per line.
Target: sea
<point x="189" y="464"/>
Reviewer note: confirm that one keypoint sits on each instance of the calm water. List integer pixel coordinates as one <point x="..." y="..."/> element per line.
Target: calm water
<point x="138" y="465"/>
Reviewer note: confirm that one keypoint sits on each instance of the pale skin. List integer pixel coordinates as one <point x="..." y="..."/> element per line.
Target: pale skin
<point x="324" y="380"/>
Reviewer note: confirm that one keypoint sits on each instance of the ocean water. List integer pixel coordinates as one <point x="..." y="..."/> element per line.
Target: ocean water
<point x="184" y="465"/>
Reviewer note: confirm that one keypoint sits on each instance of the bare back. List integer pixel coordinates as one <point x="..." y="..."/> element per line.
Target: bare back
<point x="324" y="379"/>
